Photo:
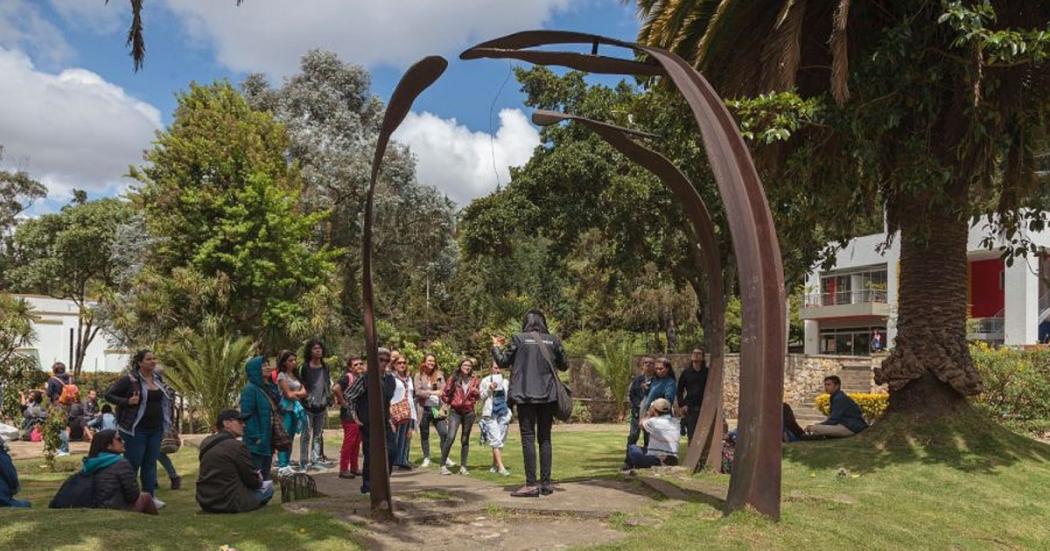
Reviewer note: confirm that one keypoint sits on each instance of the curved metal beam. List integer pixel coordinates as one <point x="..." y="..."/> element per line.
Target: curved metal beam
<point x="756" y="471"/>
<point x="706" y="437"/>
<point x="418" y="78"/>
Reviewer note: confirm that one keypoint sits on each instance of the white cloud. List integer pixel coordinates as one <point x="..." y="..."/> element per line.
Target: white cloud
<point x="71" y="129"/>
<point x="271" y="35"/>
<point x="460" y="162"/>
<point x="22" y="27"/>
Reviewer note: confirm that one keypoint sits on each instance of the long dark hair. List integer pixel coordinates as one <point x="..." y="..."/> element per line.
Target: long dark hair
<point x="307" y="356"/>
<point x="101" y="441"/>
<point x="534" y="321"/>
<point x="283" y="357"/>
<point x="458" y="375"/>
<point x="137" y="359"/>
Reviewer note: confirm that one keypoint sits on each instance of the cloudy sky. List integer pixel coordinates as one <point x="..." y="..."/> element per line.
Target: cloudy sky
<point x="75" y="115"/>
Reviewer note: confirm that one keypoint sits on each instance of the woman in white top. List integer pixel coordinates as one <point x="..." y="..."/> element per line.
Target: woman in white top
<point x="292" y="414"/>
<point x="404" y="391"/>
<point x="495" y="415"/>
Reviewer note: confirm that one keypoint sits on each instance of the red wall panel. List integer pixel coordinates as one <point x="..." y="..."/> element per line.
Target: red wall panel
<point x="986" y="293"/>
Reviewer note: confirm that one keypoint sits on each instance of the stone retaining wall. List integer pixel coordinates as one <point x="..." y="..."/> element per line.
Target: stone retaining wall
<point x="803" y="379"/>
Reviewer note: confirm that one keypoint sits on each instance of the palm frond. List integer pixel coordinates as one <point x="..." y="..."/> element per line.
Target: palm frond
<point x="783" y="51"/>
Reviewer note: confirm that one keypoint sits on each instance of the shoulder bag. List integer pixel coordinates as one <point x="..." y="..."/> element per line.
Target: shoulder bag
<point x="401" y="412"/>
<point x="564" y="412"/>
<point x="279" y="439"/>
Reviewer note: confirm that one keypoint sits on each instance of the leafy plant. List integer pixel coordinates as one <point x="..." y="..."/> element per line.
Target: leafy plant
<point x="872" y="404"/>
<point x="53" y="425"/>
<point x="1017" y="386"/>
<point x="615" y="366"/>
<point x="207" y="368"/>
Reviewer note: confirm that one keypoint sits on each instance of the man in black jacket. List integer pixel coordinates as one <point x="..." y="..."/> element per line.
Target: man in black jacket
<point x="690" y="395"/>
<point x="636" y="394"/>
<point x="846" y="418"/>
<point x="229" y="482"/>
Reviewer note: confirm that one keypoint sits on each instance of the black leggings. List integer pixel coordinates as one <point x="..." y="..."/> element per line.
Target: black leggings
<point x="455" y="421"/>
<point x="534" y="421"/>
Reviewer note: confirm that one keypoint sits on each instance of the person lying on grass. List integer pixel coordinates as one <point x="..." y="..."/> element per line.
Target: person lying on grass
<point x="846" y="418"/>
<point x="106" y="481"/>
<point x="664" y="434"/>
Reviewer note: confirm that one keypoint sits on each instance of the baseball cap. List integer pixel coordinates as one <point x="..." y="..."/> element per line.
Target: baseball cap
<point x="228" y="415"/>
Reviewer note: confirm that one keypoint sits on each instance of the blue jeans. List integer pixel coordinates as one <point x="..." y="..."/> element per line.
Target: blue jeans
<point x="63" y="441"/>
<point x="402" y="443"/>
<point x="313" y="434"/>
<point x="264" y="495"/>
<point x="142" y="451"/>
<point x="637" y="459"/>
<point x="169" y="468"/>
<point x="16" y="503"/>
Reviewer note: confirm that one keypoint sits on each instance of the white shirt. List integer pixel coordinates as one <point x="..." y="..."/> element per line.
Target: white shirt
<point x="664" y="433"/>
<point x="400" y="390"/>
<point x="487" y="392"/>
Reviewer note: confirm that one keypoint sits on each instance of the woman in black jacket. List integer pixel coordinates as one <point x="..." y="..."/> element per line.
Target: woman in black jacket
<point x="534" y="354"/>
<point x="113" y="479"/>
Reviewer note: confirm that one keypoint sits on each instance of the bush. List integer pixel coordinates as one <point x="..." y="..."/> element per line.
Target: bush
<point x="872" y="404"/>
<point x="99" y="382"/>
<point x="1016" y="386"/>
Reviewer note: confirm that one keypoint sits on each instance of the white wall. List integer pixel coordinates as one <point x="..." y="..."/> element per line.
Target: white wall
<point x="55" y="319"/>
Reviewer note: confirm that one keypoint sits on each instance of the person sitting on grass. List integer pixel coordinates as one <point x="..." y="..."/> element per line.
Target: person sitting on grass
<point x="229" y="480"/>
<point x="105" y="421"/>
<point x="9" y="480"/>
<point x="106" y="481"/>
<point x="845" y="419"/>
<point x="664" y="433"/>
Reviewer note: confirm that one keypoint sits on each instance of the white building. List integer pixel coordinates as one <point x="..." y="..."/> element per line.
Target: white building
<point x="848" y="305"/>
<point x="55" y="324"/>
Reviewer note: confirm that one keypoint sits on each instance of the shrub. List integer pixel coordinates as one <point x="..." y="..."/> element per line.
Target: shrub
<point x="872" y="404"/>
<point x="1016" y="386"/>
<point x="208" y="369"/>
<point x="615" y="366"/>
<point x="54" y="424"/>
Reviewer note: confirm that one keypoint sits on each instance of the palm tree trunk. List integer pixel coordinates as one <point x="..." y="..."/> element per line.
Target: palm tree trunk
<point x="929" y="371"/>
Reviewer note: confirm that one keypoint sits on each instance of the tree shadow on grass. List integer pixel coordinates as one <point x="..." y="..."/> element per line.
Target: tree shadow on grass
<point x="968" y="441"/>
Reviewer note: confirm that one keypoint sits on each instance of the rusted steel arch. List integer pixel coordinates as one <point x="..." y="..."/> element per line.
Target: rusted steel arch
<point x="706" y="437"/>
<point x="756" y="470"/>
<point x="418" y="78"/>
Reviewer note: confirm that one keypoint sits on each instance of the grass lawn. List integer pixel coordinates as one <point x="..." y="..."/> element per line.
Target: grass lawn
<point x="897" y="486"/>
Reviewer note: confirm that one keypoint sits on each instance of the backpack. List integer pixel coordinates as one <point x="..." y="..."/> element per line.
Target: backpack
<point x="78" y="491"/>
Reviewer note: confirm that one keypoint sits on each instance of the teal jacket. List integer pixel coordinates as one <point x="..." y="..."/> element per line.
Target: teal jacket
<point x="255" y="407"/>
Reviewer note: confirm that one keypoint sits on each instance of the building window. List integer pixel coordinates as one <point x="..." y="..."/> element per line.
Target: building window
<point x="851" y="341"/>
<point x="852" y="287"/>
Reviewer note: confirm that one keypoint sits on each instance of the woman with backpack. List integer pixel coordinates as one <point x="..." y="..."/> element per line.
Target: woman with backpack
<point x="461" y="394"/>
<point x="106" y="481"/>
<point x="144" y="411"/>
<point x="495" y="415"/>
<point x="535" y="354"/>
<point x="403" y="409"/>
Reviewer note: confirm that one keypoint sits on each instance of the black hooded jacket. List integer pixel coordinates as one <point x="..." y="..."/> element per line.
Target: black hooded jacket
<point x="532" y="376"/>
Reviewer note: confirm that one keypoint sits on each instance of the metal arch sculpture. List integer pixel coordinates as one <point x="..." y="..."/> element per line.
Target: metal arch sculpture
<point x="704" y="446"/>
<point x="418" y="78"/>
<point x="756" y="470"/>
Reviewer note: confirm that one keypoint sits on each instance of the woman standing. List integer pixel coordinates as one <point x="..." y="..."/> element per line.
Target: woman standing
<point x="351" y="448"/>
<point x="495" y="415"/>
<point x="535" y="354"/>
<point x="143" y="416"/>
<point x="429" y="383"/>
<point x="404" y="393"/>
<point x="664" y="385"/>
<point x="461" y="393"/>
<point x="292" y="414"/>
<point x="256" y="408"/>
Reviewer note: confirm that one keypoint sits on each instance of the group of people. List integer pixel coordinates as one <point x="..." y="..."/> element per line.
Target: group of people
<point x="664" y="407"/>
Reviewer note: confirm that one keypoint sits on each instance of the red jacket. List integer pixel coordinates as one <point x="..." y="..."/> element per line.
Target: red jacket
<point x="458" y="399"/>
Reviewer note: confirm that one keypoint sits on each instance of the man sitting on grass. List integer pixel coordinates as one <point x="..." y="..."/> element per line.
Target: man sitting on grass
<point x="229" y="482"/>
<point x="845" y="419"/>
<point x="664" y="432"/>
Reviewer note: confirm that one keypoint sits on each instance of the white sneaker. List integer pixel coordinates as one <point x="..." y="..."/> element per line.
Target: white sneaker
<point x="493" y="470"/>
<point x="450" y="463"/>
<point x="463" y="470"/>
<point x="425" y="463"/>
<point x="158" y="503"/>
<point x="316" y="467"/>
<point x="444" y="470"/>
<point x="284" y="472"/>
<point x="504" y="471"/>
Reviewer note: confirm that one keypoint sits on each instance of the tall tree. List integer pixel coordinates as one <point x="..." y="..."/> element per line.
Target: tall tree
<point x="17" y="192"/>
<point x="333" y="121"/>
<point x="58" y="255"/>
<point x="933" y="111"/>
<point x="223" y="201"/>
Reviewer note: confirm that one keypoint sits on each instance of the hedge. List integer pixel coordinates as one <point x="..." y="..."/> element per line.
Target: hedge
<point x="872" y="404"/>
<point x="1016" y="386"/>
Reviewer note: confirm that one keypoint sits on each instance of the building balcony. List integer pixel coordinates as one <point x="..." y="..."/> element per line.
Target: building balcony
<point x="992" y="330"/>
<point x="841" y="304"/>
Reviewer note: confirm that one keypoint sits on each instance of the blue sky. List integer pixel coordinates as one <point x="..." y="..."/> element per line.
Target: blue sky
<point x="81" y="115"/>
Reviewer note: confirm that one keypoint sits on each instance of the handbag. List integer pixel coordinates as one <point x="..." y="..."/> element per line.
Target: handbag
<point x="401" y="412"/>
<point x="564" y="411"/>
<point x="171" y="443"/>
<point x="279" y="439"/>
